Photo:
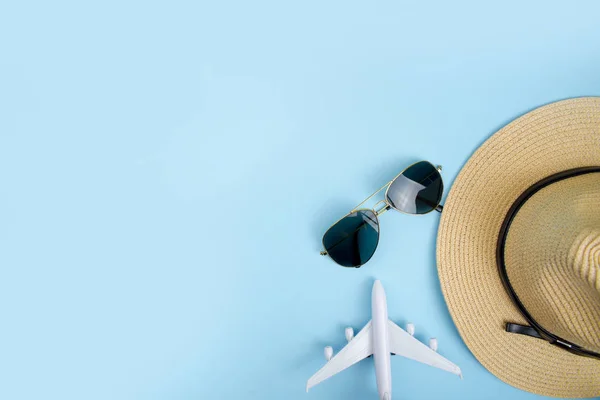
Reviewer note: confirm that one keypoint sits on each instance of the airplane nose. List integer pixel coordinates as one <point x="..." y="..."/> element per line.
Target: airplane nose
<point x="377" y="289"/>
<point x="377" y="285"/>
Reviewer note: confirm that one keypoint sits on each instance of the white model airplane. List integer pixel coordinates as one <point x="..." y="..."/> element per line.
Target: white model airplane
<point x="381" y="338"/>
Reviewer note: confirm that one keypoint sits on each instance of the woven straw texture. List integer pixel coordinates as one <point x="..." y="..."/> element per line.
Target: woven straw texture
<point x="550" y="139"/>
<point x="553" y="255"/>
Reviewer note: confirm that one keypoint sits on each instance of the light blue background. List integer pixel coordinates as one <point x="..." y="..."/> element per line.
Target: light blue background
<point x="167" y="171"/>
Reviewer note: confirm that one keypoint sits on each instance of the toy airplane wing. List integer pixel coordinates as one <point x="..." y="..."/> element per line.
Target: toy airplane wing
<point x="405" y="345"/>
<point x="359" y="348"/>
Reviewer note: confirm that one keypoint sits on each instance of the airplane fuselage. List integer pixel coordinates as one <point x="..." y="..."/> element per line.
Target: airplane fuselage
<point x="381" y="352"/>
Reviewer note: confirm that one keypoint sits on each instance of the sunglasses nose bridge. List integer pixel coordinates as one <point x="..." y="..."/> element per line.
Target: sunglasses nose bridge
<point x="383" y="209"/>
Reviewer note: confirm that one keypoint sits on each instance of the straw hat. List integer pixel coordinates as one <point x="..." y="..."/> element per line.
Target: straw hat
<point x="548" y="246"/>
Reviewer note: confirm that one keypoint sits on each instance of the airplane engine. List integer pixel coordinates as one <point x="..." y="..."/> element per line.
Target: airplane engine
<point x="349" y="333"/>
<point x="328" y="353"/>
<point x="433" y="344"/>
<point x="410" y="328"/>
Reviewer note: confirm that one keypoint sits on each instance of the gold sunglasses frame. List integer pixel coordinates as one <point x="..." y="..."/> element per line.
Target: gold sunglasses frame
<point x="386" y="206"/>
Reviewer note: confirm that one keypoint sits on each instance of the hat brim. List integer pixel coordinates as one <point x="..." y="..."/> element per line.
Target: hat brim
<point x="553" y="138"/>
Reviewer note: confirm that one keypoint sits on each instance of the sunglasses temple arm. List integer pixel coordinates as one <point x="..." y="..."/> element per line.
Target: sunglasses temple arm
<point x="368" y="198"/>
<point x="439" y="207"/>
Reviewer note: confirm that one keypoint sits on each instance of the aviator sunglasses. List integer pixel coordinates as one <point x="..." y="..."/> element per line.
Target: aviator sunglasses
<point x="352" y="241"/>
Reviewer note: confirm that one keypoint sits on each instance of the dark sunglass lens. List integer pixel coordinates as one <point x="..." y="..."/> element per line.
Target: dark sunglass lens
<point x="418" y="190"/>
<point x="352" y="241"/>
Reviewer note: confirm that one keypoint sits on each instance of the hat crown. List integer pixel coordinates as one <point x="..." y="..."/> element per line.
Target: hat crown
<point x="552" y="258"/>
<point x="585" y="257"/>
